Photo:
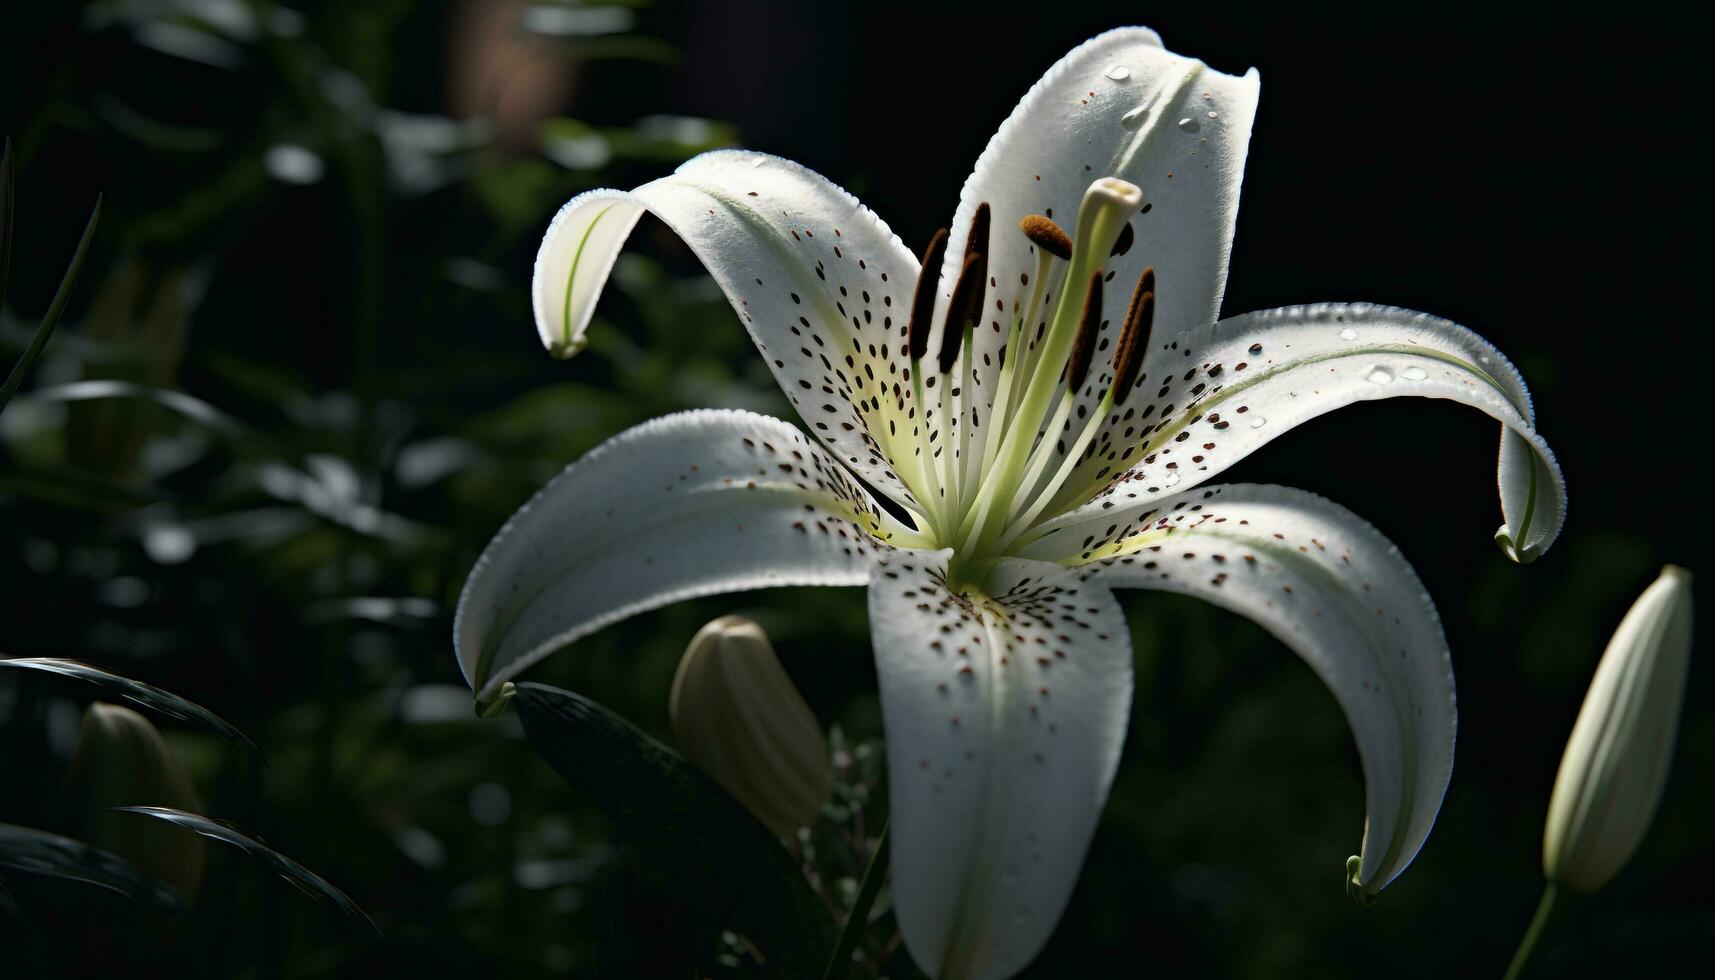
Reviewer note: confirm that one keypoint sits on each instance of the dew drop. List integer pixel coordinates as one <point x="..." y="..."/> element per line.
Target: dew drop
<point x="1379" y="376"/>
<point x="1189" y="125"/>
<point x="1134" y="118"/>
<point x="1348" y="334"/>
<point x="1414" y="374"/>
<point x="1171" y="478"/>
<point x="1258" y="422"/>
<point x="1118" y="73"/>
<point x="1213" y="114"/>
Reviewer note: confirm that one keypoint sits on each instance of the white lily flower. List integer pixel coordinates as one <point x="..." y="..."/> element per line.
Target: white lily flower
<point x="998" y="443"/>
<point x="1616" y="762"/>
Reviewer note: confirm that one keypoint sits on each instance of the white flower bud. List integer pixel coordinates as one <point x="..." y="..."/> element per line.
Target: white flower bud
<point x="737" y="716"/>
<point x="121" y="760"/>
<point x="1615" y="767"/>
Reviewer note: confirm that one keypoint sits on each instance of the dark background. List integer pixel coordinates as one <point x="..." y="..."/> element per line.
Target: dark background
<point x="1541" y="180"/>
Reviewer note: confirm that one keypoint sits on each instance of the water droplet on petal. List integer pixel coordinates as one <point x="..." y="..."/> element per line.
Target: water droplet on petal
<point x="1189" y="125"/>
<point x="1258" y="422"/>
<point x="1379" y="376"/>
<point x="1348" y="334"/>
<point x="1414" y="374"/>
<point x="1135" y="117"/>
<point x="1172" y="478"/>
<point x="1118" y="73"/>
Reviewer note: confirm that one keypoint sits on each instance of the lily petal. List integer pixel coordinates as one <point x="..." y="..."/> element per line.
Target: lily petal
<point x="1117" y="105"/>
<point x="1206" y="401"/>
<point x="822" y="285"/>
<point x="687" y="505"/>
<point x="1336" y="592"/>
<point x="1005" y="715"/>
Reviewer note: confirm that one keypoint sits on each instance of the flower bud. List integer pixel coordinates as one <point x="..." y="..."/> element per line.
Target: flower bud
<point x="121" y="760"/>
<point x="737" y="717"/>
<point x="1615" y="767"/>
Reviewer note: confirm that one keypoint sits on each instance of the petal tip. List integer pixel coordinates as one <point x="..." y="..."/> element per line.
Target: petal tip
<point x="1355" y="889"/>
<point x="565" y="350"/>
<point x="493" y="706"/>
<point x="1522" y="556"/>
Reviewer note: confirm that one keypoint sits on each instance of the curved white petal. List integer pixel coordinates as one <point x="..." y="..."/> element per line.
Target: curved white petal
<point x="1207" y="400"/>
<point x="1005" y="717"/>
<point x="822" y="285"/>
<point x="1335" y="591"/>
<point x="1116" y="105"/>
<point x="687" y="505"/>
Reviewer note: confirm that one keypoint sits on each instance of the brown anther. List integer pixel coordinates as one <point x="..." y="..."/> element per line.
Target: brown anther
<point x="1046" y="235"/>
<point x="1134" y="337"/>
<point x="1122" y="244"/>
<point x="958" y="310"/>
<point x="923" y="300"/>
<point x="1078" y="365"/>
<point x="977" y="244"/>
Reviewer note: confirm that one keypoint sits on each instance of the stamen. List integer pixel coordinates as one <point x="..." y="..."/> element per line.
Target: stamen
<point x="1107" y="204"/>
<point x="923" y="300"/>
<point x="1134" y="338"/>
<point x="1078" y="365"/>
<point x="1123" y="245"/>
<point x="977" y="244"/>
<point x="1047" y="235"/>
<point x="958" y="311"/>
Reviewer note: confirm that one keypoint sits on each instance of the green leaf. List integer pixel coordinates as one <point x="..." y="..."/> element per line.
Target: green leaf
<point x="720" y="858"/>
<point x="137" y="692"/>
<point x="39" y="852"/>
<point x="52" y="318"/>
<point x="303" y="878"/>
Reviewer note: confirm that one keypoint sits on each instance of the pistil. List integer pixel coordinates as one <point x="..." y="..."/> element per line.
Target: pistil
<point x="1106" y="207"/>
<point x="1077" y="370"/>
<point x="1128" y="357"/>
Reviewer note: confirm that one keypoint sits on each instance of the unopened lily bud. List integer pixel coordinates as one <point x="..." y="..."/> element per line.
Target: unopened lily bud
<point x="121" y="760"/>
<point x="737" y="717"/>
<point x="1615" y="767"/>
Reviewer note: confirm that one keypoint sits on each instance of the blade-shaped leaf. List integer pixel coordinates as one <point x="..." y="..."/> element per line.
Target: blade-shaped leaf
<point x="40" y="852"/>
<point x="137" y="692"/>
<point x="721" y="859"/>
<point x="306" y="880"/>
<point x="52" y="318"/>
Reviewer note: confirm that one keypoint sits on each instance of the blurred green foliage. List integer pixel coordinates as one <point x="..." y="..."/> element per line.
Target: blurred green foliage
<point x="298" y="392"/>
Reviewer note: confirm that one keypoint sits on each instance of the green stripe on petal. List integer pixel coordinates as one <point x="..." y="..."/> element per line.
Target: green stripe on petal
<point x="1118" y="105"/>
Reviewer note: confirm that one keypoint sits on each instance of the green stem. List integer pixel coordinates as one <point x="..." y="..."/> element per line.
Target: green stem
<point x="858" y="920"/>
<point x="1545" y="913"/>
